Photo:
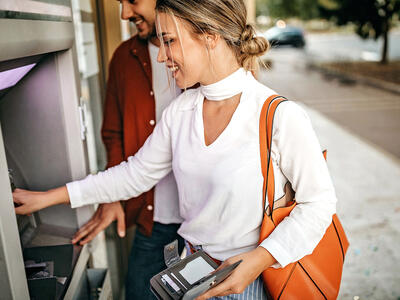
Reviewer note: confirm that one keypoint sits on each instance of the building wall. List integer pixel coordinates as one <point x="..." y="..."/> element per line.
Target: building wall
<point x="251" y="11"/>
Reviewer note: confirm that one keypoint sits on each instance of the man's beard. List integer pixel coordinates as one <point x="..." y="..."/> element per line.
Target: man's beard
<point x="151" y="34"/>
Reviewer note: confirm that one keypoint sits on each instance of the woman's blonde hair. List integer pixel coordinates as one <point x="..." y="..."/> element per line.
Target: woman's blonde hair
<point x="227" y="18"/>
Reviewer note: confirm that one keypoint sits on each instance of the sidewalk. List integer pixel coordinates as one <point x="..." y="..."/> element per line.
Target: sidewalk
<point x="368" y="190"/>
<point x="365" y="176"/>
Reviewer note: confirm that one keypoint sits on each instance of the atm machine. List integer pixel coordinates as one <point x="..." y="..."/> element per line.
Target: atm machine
<point x="42" y="145"/>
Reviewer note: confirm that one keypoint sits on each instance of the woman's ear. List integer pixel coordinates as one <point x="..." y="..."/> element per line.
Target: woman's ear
<point x="211" y="40"/>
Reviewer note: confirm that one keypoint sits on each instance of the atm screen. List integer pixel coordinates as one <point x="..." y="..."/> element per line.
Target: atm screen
<point x="9" y="78"/>
<point x="12" y="71"/>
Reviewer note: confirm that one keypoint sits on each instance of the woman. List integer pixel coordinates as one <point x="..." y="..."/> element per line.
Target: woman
<point x="210" y="138"/>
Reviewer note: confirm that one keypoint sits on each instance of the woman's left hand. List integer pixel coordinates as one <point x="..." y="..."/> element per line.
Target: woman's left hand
<point x="254" y="262"/>
<point x="28" y="201"/>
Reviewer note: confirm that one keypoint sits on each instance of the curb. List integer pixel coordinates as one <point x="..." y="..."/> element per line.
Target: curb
<point x="370" y="81"/>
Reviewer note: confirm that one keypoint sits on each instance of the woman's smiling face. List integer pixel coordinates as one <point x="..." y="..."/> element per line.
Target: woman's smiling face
<point x="183" y="52"/>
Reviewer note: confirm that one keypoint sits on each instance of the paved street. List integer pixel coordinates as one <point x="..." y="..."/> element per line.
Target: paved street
<point x="334" y="47"/>
<point x="360" y="127"/>
<point x="371" y="113"/>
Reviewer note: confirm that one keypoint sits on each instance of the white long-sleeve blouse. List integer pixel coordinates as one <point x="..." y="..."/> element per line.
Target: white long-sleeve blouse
<point x="220" y="185"/>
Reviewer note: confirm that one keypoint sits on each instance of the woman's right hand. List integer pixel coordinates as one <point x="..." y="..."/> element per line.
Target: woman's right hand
<point x="28" y="202"/>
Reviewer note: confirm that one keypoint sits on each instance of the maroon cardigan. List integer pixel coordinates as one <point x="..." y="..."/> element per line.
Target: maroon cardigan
<point x="128" y="119"/>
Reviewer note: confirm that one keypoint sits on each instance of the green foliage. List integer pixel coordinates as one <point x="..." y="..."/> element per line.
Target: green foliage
<point x="328" y="4"/>
<point x="372" y="17"/>
<point x="303" y="9"/>
<point x="262" y="8"/>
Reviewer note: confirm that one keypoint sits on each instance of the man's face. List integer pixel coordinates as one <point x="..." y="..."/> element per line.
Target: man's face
<point x="142" y="14"/>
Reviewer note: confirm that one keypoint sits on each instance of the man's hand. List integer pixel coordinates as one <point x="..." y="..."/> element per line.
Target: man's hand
<point x="253" y="264"/>
<point x="105" y="214"/>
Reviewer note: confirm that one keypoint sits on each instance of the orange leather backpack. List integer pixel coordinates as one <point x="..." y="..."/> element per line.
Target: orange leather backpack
<point x="318" y="275"/>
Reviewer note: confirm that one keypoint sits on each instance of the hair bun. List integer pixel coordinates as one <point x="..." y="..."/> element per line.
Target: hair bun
<point x="251" y="46"/>
<point x="247" y="34"/>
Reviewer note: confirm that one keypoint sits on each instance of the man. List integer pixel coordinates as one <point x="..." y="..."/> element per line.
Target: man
<point x="137" y="92"/>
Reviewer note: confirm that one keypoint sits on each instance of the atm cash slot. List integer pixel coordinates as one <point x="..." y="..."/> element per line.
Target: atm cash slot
<point x="49" y="270"/>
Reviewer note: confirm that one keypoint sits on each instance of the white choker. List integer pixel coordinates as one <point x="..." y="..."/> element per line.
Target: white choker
<point x="225" y="88"/>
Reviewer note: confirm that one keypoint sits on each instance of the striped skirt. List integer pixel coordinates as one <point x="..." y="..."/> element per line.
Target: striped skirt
<point x="255" y="291"/>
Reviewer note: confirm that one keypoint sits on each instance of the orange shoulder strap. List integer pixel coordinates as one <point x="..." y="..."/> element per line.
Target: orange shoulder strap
<point x="266" y="129"/>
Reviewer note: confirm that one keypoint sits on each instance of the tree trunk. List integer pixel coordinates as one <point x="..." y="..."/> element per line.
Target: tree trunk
<point x="385" y="43"/>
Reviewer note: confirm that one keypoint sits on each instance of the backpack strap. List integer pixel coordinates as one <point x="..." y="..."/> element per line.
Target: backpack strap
<point x="266" y="129"/>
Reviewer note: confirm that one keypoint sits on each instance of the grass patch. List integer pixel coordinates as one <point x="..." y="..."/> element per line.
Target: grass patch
<point x="389" y="72"/>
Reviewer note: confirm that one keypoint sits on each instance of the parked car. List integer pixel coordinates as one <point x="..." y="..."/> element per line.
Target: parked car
<point x="285" y="36"/>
